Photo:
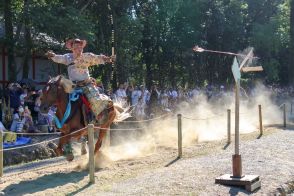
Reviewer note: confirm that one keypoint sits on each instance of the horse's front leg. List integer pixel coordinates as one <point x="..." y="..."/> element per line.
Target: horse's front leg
<point x="59" y="149"/>
<point x="64" y="148"/>
<point x="98" y="144"/>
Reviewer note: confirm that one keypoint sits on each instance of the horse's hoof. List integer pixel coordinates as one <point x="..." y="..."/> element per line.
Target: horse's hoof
<point x="70" y="157"/>
<point x="58" y="152"/>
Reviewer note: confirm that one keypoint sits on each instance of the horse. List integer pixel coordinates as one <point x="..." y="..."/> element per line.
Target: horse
<point x="56" y="93"/>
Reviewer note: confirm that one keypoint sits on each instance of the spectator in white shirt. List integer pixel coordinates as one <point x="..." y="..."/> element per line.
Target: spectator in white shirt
<point x="145" y="94"/>
<point x="23" y="96"/>
<point x="140" y="109"/>
<point x="136" y="94"/>
<point x="121" y="95"/>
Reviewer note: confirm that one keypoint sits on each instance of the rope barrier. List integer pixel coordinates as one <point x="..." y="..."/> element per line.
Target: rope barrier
<point x="19" y="133"/>
<point x="118" y="129"/>
<point x="215" y="116"/>
<point x="46" y="141"/>
<point x="211" y="117"/>
<point x="281" y="105"/>
<point x="147" y="120"/>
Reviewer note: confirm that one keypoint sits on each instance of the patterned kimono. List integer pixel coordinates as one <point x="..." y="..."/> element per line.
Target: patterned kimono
<point x="78" y="72"/>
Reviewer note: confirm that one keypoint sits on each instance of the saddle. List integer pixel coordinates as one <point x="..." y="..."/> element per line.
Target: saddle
<point x="89" y="116"/>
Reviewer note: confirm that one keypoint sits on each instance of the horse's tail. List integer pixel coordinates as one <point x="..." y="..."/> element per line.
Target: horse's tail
<point x="121" y="113"/>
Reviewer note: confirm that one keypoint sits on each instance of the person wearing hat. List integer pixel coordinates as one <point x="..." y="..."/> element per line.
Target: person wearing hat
<point x="14" y="92"/>
<point x="77" y="65"/>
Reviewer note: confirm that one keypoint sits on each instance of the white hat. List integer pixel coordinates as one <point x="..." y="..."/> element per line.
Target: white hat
<point x="20" y="109"/>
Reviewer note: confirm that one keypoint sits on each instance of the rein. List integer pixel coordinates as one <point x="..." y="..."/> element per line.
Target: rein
<point x="71" y="97"/>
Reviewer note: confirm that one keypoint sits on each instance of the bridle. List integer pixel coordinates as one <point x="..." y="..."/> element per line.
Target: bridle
<point x="54" y="89"/>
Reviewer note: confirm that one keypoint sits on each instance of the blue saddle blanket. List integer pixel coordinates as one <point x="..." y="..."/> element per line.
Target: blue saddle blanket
<point x="19" y="142"/>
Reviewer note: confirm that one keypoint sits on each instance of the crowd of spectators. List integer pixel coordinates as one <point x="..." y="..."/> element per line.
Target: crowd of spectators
<point x="155" y="101"/>
<point x="20" y="103"/>
<point x="147" y="103"/>
<point x="20" y="110"/>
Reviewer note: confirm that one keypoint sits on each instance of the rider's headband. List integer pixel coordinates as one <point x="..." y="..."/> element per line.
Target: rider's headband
<point x="71" y="42"/>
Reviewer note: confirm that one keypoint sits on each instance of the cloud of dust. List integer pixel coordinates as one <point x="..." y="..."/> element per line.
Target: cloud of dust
<point x="207" y="120"/>
<point x="202" y="120"/>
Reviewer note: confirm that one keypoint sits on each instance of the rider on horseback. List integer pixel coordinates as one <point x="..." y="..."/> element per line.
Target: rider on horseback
<point x="78" y="72"/>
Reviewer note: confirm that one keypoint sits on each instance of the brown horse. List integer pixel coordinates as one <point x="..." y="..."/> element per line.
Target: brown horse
<point x="56" y="93"/>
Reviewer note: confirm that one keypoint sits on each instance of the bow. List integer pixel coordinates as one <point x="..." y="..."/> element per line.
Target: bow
<point x="112" y="38"/>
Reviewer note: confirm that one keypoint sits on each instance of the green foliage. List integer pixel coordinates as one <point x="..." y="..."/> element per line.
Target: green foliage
<point x="61" y="22"/>
<point x="154" y="39"/>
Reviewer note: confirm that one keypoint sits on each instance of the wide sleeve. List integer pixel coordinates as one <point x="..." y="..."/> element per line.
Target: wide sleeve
<point x="95" y="59"/>
<point x="62" y="59"/>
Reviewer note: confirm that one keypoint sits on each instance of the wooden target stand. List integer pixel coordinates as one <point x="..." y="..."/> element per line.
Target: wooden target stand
<point x="250" y="182"/>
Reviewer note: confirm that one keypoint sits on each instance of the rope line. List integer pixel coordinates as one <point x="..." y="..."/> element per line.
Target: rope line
<point x="215" y="116"/>
<point x="45" y="141"/>
<point x="55" y="133"/>
<point x="281" y="105"/>
<point x="118" y="129"/>
<point x="18" y="133"/>
<point x="147" y="120"/>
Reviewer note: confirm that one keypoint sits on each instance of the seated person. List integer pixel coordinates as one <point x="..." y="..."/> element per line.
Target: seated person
<point x="8" y="137"/>
<point x="18" y="120"/>
<point x="50" y="119"/>
<point x="29" y="124"/>
<point x="2" y="128"/>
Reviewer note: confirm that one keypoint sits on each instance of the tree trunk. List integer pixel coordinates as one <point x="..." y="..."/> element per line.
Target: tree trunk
<point x="291" y="57"/>
<point x="9" y="43"/>
<point x="28" y="41"/>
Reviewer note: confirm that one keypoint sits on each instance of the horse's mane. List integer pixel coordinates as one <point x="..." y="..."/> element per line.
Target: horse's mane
<point x="64" y="82"/>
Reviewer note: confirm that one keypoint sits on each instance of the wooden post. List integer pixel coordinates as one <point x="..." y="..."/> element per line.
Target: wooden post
<point x="1" y="153"/>
<point x="237" y="178"/>
<point x="229" y="126"/>
<point x="180" y="135"/>
<point x="34" y="65"/>
<point x="236" y="158"/>
<point x="237" y="105"/>
<point x="91" y="153"/>
<point x="284" y="112"/>
<point x="260" y="120"/>
<point x="3" y="67"/>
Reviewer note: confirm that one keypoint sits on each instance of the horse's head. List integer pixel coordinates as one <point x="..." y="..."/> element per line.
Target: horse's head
<point x="55" y="92"/>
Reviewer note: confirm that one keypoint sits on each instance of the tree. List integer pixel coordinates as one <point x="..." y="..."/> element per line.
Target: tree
<point x="291" y="56"/>
<point x="9" y="41"/>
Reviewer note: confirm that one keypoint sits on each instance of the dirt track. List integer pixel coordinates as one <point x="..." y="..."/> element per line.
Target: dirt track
<point x="271" y="157"/>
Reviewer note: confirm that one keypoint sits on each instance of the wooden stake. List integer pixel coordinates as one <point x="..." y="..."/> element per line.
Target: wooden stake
<point x="260" y="120"/>
<point x="229" y="126"/>
<point x="180" y="135"/>
<point x="237" y="105"/>
<point x="91" y="153"/>
<point x="284" y="112"/>
<point x="237" y="161"/>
